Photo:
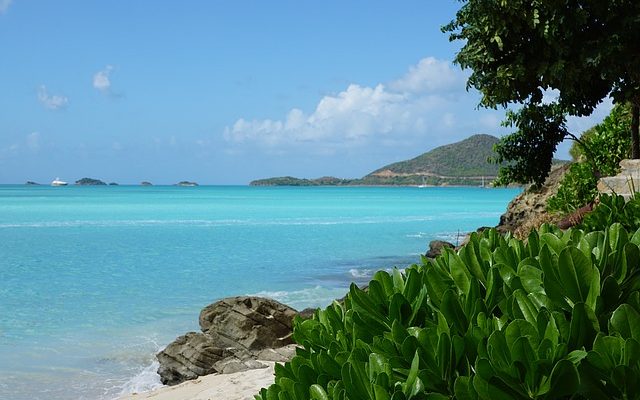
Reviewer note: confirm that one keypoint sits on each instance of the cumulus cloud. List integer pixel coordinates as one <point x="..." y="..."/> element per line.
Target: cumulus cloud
<point x="429" y="75"/>
<point x="102" y="79"/>
<point x="419" y="102"/>
<point x="4" y="5"/>
<point x="51" y="101"/>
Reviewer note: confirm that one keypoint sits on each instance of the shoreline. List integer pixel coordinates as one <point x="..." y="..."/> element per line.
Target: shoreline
<point x="236" y="386"/>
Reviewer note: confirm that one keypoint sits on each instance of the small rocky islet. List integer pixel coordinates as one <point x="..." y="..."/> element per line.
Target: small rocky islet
<point x="90" y="182"/>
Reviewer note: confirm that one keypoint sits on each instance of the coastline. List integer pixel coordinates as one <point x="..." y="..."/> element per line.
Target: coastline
<point x="139" y="265"/>
<point x="237" y="386"/>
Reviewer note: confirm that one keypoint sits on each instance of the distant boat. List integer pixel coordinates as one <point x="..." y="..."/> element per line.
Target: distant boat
<point x="58" y="182"/>
<point x="424" y="184"/>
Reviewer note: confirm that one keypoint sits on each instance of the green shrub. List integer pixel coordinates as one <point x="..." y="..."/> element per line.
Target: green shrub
<point x="555" y="317"/>
<point x="599" y="152"/>
<point x="578" y="187"/>
<point x="613" y="209"/>
<point x="606" y="143"/>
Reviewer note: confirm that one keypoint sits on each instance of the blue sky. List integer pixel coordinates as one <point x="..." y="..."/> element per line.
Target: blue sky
<point x="223" y="92"/>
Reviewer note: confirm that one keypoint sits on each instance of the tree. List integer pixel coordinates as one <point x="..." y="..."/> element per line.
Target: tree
<point x="583" y="50"/>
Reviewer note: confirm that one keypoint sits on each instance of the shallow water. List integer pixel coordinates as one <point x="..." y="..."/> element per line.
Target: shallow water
<point x="94" y="280"/>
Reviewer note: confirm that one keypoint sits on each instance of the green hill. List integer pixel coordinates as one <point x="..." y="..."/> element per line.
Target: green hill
<point x="460" y="163"/>
<point x="467" y="158"/>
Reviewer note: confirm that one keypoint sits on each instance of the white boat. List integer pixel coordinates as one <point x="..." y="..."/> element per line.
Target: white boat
<point x="58" y="182"/>
<point x="424" y="184"/>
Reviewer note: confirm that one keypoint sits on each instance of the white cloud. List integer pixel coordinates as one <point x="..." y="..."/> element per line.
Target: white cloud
<point x="429" y="75"/>
<point x="422" y="102"/>
<point x="4" y="5"/>
<point x="102" y="79"/>
<point x="51" y="101"/>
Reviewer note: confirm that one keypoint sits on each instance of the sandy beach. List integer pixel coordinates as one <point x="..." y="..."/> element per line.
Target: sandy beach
<point x="239" y="386"/>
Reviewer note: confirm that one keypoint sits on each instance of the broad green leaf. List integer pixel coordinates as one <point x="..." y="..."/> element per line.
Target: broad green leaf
<point x="626" y="321"/>
<point x="565" y="380"/>
<point x="317" y="392"/>
<point x="555" y="243"/>
<point x="521" y="328"/>
<point x="452" y="310"/>
<point x="584" y="327"/>
<point x="460" y="273"/>
<point x="463" y="389"/>
<point x="398" y="281"/>
<point x="526" y="307"/>
<point x="412" y="378"/>
<point x="380" y="393"/>
<point x="576" y="274"/>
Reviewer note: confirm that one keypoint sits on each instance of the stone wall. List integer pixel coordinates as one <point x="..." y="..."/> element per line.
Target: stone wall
<point x="625" y="183"/>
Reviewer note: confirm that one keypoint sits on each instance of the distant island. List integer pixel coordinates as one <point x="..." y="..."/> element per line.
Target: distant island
<point x="89" y="182"/>
<point x="186" y="183"/>
<point x="461" y="163"/>
<point x="145" y="183"/>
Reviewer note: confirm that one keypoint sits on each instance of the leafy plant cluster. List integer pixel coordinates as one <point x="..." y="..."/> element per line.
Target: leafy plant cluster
<point x="555" y="317"/>
<point x="614" y="209"/>
<point x="598" y="153"/>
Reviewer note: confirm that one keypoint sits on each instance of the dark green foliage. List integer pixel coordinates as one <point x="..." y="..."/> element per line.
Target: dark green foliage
<point x="527" y="154"/>
<point x="613" y="209"/>
<point x="598" y="153"/>
<point x="578" y="187"/>
<point x="555" y="317"/>
<point x="607" y="143"/>
<point x="583" y="50"/>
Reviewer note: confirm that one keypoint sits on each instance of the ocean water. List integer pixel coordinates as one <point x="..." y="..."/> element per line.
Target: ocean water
<point x="95" y="280"/>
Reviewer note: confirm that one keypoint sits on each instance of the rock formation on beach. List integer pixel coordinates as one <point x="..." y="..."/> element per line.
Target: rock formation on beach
<point x="436" y="247"/>
<point x="236" y="333"/>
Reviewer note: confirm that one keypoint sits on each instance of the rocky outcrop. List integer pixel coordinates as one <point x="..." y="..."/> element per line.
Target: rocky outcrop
<point x="626" y="183"/>
<point x="236" y="333"/>
<point x="529" y="209"/>
<point x="436" y="247"/>
<point x="146" y="183"/>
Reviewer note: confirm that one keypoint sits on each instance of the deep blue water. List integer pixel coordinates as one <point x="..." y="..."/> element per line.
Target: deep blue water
<point x="94" y="280"/>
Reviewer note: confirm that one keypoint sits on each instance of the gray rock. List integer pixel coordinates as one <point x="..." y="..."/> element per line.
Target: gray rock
<point x="252" y="322"/>
<point x="236" y="333"/>
<point x="436" y="247"/>
<point x="188" y="357"/>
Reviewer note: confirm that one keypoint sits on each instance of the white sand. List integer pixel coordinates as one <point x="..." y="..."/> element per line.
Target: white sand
<point x="239" y="386"/>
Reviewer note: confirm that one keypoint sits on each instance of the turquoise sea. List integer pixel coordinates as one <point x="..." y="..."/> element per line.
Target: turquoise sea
<point x="95" y="280"/>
